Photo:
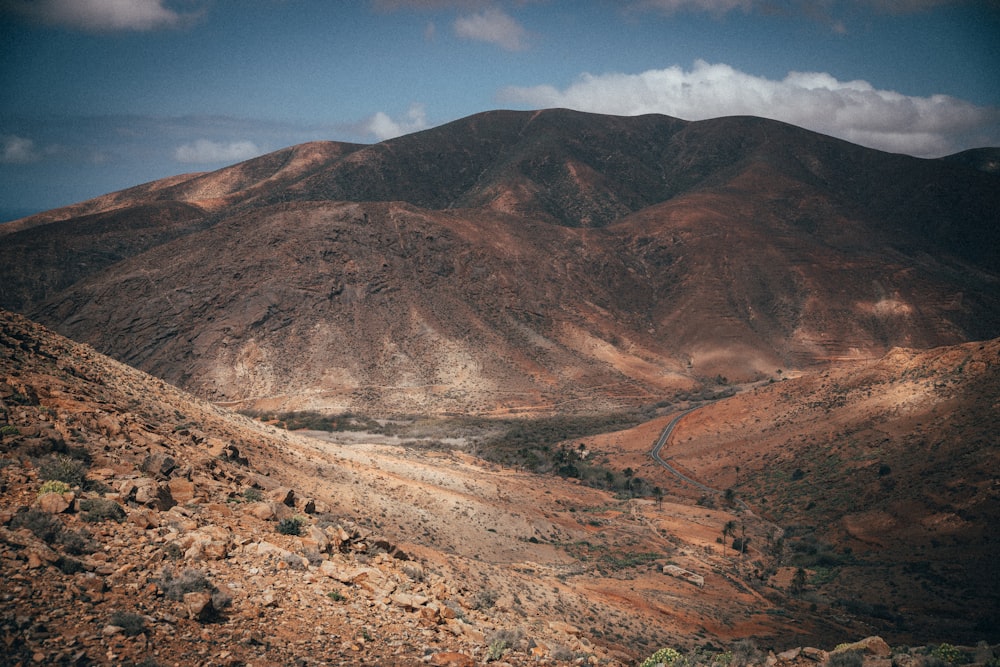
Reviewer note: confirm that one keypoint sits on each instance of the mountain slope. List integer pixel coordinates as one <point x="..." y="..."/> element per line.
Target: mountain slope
<point x="520" y="260"/>
<point x="406" y="552"/>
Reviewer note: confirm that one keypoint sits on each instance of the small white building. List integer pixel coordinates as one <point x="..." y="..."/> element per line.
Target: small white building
<point x="686" y="575"/>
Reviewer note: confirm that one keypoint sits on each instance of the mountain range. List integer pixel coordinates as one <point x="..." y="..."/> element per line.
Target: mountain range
<point x="520" y="261"/>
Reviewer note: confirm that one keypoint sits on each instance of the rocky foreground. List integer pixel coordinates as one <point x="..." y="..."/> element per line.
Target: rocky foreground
<point x="141" y="527"/>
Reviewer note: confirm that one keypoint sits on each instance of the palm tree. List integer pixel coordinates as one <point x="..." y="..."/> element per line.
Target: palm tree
<point x="728" y="529"/>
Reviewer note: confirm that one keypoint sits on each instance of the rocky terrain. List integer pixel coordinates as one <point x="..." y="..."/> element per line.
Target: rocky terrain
<point x="177" y="532"/>
<point x="519" y="261"/>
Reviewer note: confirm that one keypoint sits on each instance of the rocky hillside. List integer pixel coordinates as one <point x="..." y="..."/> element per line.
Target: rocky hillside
<point x="882" y="477"/>
<point x="543" y="261"/>
<point x="138" y="524"/>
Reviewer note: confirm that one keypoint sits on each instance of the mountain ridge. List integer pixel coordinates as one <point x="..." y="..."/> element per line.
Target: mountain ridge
<point x="539" y="255"/>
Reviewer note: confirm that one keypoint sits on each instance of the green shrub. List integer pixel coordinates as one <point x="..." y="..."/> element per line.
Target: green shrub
<point x="9" y="429"/>
<point x="291" y="526"/>
<point x="948" y="654"/>
<point x="665" y="656"/>
<point x="54" y="486"/>
<point x="96" y="510"/>
<point x="252" y="495"/>
<point x="495" y="650"/>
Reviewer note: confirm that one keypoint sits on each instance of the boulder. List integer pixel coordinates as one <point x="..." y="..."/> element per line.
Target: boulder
<point x="283" y="495"/>
<point x="56" y="503"/>
<point x="869" y="645"/>
<point x="451" y="659"/>
<point x="815" y="654"/>
<point x="182" y="490"/>
<point x="409" y="600"/>
<point x="198" y="605"/>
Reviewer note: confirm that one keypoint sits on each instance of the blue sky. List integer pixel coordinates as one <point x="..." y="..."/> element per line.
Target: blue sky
<point x="99" y="95"/>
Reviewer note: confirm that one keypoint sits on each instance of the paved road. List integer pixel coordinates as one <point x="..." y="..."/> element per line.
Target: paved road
<point x="664" y="436"/>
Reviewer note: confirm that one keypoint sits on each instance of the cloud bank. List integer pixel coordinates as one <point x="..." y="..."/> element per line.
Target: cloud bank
<point x="851" y="110"/>
<point x="18" y="150"/>
<point x="495" y="27"/>
<point x="806" y="7"/>
<point x="100" y="15"/>
<point x="205" y="151"/>
<point x="384" y="127"/>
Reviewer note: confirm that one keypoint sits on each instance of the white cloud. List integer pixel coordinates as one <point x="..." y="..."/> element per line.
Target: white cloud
<point x="101" y="15"/>
<point x="851" y="110"/>
<point x="717" y="7"/>
<point x="205" y="151"/>
<point x="495" y="27"/>
<point x="384" y="127"/>
<point x="806" y="7"/>
<point x="18" y="150"/>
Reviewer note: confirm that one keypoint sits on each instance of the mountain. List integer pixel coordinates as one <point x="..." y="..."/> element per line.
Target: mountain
<point x="529" y="261"/>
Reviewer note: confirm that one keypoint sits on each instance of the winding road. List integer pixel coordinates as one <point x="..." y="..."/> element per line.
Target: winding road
<point x="655" y="454"/>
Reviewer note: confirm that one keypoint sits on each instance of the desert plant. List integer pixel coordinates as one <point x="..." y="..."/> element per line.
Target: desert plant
<point x="54" y="486"/>
<point x="9" y="429"/>
<point x="745" y="652"/>
<point x="485" y="599"/>
<point x="175" y="586"/>
<point x="665" y="657"/>
<point x="131" y="623"/>
<point x="75" y="542"/>
<point x="63" y="469"/>
<point x="96" y="510"/>
<point x="845" y="659"/>
<point x="495" y="650"/>
<point x="948" y="654"/>
<point x="41" y="524"/>
<point x="253" y="495"/>
<point x="499" y="641"/>
<point x="291" y="526"/>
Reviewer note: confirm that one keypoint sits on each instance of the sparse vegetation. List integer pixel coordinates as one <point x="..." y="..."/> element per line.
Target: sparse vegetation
<point x="63" y="468"/>
<point x="175" y="586"/>
<point x="845" y="659"/>
<point x="292" y="526"/>
<point x="132" y="624"/>
<point x="54" y="486"/>
<point x="314" y="421"/>
<point x="665" y="657"/>
<point x="96" y="510"/>
<point x="41" y="524"/>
